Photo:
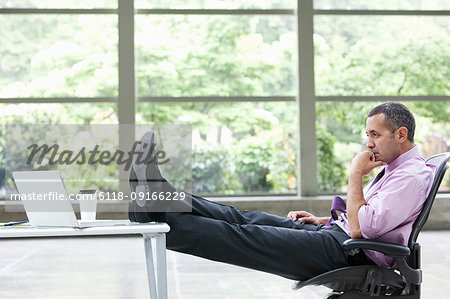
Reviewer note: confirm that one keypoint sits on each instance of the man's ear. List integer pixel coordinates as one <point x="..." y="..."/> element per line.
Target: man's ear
<point x="402" y="134"/>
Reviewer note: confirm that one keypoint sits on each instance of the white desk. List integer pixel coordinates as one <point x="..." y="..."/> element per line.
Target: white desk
<point x="157" y="283"/>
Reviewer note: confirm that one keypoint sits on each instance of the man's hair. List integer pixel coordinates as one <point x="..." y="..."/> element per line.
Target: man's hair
<point x="396" y="115"/>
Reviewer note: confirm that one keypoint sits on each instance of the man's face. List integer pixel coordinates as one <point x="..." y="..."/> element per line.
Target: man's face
<point x="381" y="141"/>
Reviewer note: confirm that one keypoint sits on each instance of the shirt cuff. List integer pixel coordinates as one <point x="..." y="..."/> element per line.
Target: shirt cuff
<point x="365" y="217"/>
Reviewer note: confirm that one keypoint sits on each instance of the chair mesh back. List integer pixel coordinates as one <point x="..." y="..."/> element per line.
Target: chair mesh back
<point x="440" y="161"/>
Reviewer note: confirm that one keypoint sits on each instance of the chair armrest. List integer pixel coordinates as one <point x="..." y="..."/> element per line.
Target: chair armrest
<point x="398" y="252"/>
<point x="383" y="247"/>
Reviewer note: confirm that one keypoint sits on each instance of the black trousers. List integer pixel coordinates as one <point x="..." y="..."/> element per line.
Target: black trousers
<point x="256" y="240"/>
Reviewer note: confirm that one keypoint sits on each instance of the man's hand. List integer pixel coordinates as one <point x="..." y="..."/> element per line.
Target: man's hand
<point x="363" y="163"/>
<point x="306" y="217"/>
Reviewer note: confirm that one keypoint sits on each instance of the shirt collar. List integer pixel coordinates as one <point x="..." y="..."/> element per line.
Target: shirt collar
<point x="411" y="154"/>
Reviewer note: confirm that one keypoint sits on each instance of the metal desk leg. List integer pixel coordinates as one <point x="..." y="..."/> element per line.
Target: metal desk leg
<point x="161" y="270"/>
<point x="150" y="267"/>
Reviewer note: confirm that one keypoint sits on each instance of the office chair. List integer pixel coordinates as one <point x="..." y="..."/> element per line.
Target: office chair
<point x="366" y="281"/>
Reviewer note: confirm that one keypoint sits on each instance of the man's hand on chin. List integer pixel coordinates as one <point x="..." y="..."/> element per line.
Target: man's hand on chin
<point x="363" y="163"/>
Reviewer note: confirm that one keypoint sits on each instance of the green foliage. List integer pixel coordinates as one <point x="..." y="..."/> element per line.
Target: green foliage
<point x="258" y="156"/>
<point x="331" y="175"/>
<point x="380" y="57"/>
<point x="253" y="165"/>
<point x="54" y="56"/>
<point x="215" y="55"/>
<point x="283" y="163"/>
<point x="213" y="170"/>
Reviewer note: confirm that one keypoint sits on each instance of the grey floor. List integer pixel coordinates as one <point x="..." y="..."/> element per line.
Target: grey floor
<point x="115" y="268"/>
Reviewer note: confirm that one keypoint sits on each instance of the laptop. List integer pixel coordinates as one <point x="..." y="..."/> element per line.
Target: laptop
<point x="46" y="201"/>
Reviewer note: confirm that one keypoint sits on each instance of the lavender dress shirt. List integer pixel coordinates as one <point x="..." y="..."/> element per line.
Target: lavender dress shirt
<point x="393" y="203"/>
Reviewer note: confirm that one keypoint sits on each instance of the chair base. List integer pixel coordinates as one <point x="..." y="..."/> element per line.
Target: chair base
<point x="360" y="278"/>
<point x="354" y="294"/>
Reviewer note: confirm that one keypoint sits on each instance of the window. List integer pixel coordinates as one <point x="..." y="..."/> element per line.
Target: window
<point x="211" y="69"/>
<point x="235" y="71"/>
<point x="71" y="4"/>
<point x="58" y="56"/>
<point x="32" y="121"/>
<point x="376" y="51"/>
<point x="238" y="148"/>
<point x="215" y="55"/>
<point x="381" y="55"/>
<point x="382" y="4"/>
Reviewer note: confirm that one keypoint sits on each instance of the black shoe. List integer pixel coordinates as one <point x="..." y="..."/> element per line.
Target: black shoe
<point x="145" y="178"/>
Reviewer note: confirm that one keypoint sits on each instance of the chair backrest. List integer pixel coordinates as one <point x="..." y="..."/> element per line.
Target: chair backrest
<point x="440" y="161"/>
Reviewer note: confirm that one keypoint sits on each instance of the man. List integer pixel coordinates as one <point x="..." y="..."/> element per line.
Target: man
<point x="301" y="245"/>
